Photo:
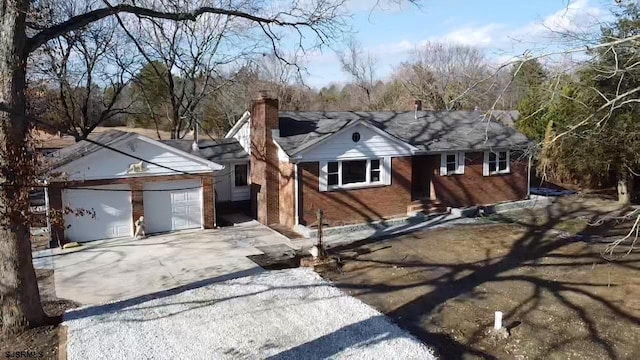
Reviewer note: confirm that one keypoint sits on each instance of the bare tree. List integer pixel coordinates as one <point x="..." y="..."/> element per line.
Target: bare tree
<point x="188" y="59"/>
<point x="360" y="66"/>
<point x="87" y="70"/>
<point x="443" y="76"/>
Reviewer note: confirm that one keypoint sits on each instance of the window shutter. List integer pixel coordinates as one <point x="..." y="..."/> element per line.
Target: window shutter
<point x="485" y="164"/>
<point x="322" y="176"/>
<point x="443" y="164"/>
<point x="386" y="171"/>
<point x="461" y="159"/>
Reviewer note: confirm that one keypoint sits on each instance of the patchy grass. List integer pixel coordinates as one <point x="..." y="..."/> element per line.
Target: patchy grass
<point x="560" y="298"/>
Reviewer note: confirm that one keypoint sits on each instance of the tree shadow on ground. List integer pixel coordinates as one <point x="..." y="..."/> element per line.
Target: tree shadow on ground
<point x="539" y="246"/>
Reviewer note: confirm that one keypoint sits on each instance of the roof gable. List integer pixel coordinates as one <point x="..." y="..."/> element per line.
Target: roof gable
<point x="86" y="160"/>
<point x="372" y="142"/>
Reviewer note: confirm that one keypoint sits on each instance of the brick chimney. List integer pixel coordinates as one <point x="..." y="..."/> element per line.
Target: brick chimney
<point x="264" y="159"/>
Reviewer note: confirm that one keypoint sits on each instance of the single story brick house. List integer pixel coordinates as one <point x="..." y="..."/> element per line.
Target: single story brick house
<point x="121" y="176"/>
<point x="367" y="166"/>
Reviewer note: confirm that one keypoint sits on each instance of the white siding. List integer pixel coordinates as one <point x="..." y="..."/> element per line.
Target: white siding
<point x="244" y="136"/>
<point x="108" y="164"/>
<point x="225" y="185"/>
<point x="371" y="145"/>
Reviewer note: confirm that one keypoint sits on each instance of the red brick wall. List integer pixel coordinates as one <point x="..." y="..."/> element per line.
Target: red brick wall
<point x="287" y="194"/>
<point x="472" y="188"/>
<point x="358" y="205"/>
<point x="137" y="195"/>
<point x="264" y="161"/>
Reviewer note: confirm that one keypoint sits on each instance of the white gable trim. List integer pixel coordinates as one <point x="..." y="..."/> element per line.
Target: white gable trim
<point x="236" y="127"/>
<point x="282" y="155"/>
<point x="308" y="147"/>
<point x="212" y="165"/>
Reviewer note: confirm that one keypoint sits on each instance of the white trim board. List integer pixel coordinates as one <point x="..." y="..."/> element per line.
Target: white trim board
<point x="236" y="127"/>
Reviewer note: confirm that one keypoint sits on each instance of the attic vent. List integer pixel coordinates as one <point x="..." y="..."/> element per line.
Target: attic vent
<point x="355" y="137"/>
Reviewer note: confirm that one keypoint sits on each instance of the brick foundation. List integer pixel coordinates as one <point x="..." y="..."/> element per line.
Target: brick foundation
<point x="137" y="194"/>
<point x="357" y="205"/>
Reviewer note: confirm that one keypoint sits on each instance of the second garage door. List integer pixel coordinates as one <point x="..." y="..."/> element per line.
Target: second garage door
<point x="172" y="205"/>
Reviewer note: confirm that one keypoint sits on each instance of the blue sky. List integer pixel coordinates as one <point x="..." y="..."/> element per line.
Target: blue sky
<point x="502" y="28"/>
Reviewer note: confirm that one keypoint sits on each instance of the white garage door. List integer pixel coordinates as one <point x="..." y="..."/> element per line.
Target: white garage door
<point x="112" y="206"/>
<point x="172" y="205"/>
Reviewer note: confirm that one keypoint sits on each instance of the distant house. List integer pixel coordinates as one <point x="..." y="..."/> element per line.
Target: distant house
<point x="367" y="166"/>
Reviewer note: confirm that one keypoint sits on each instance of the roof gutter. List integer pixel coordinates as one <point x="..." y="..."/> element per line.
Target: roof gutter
<point x="431" y="152"/>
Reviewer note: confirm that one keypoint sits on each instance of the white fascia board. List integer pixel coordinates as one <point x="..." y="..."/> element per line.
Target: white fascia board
<point x="236" y="127"/>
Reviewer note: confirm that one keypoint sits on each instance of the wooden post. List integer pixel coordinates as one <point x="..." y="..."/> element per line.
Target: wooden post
<point x="322" y="254"/>
<point x="320" y="217"/>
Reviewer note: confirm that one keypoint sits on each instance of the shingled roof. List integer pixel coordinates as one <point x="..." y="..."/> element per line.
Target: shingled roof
<point x="216" y="150"/>
<point x="84" y="148"/>
<point x="219" y="150"/>
<point x="429" y="131"/>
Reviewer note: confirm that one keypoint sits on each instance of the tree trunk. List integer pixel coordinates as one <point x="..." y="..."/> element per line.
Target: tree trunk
<point x="624" y="188"/>
<point x="19" y="295"/>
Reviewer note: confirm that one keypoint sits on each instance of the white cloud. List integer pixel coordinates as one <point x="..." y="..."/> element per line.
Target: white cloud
<point x="577" y="16"/>
<point x="481" y="36"/>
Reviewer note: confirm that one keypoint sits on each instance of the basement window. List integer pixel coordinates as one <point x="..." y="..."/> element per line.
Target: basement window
<point x="348" y="174"/>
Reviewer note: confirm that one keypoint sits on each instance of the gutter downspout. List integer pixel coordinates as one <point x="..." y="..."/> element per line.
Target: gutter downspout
<point x="529" y="178"/>
<point x="296" y="195"/>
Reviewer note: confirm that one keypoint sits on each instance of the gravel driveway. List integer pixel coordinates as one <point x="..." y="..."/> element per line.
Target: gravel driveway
<point x="287" y="314"/>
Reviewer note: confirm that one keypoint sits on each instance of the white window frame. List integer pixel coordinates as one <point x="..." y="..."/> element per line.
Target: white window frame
<point x="385" y="178"/>
<point x="233" y="175"/>
<point x="460" y="160"/>
<point x="486" y="168"/>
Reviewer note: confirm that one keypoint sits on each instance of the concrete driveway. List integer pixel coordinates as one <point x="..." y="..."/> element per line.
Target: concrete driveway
<point x="109" y="270"/>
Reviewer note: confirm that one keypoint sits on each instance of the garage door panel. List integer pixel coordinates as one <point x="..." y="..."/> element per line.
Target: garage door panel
<point x="173" y="205"/>
<point x="112" y="207"/>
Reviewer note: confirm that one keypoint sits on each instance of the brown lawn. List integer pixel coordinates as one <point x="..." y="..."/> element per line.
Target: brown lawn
<point x="560" y="298"/>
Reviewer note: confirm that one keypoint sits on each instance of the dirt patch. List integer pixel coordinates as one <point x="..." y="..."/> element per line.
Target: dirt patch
<point x="560" y="298"/>
<point x="41" y="342"/>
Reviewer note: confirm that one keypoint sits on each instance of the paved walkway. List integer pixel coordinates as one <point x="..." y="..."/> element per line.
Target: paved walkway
<point x="287" y="314"/>
<point x="109" y="270"/>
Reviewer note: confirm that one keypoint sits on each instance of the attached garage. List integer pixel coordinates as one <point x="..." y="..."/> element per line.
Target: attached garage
<point x="173" y="205"/>
<point x="112" y="207"/>
<point x="122" y="176"/>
